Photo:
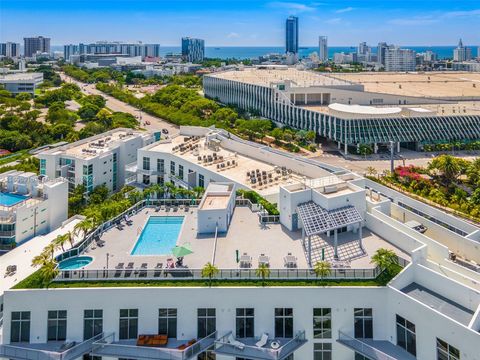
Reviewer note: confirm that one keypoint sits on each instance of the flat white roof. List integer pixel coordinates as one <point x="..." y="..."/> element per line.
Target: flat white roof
<point x="364" y="110"/>
<point x="33" y="76"/>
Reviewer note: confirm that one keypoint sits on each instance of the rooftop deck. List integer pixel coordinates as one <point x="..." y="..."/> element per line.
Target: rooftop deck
<point x="230" y="164"/>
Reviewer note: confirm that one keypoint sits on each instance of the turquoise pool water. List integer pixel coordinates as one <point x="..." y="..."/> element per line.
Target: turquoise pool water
<point x="7" y="199"/>
<point x="75" y="263"/>
<point x="159" y="236"/>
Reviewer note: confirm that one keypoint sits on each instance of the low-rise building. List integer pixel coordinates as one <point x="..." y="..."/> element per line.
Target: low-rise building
<point x="97" y="160"/>
<point x="215" y="211"/>
<point x="21" y="82"/>
<point x="30" y="205"/>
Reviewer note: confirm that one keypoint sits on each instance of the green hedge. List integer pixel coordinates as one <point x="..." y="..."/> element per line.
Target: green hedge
<point x="255" y="198"/>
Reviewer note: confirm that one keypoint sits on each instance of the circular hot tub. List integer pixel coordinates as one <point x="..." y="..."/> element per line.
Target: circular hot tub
<point x="74" y="263"/>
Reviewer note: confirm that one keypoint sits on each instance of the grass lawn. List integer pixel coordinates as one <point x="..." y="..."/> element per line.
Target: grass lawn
<point x="19" y="155"/>
<point x="35" y="281"/>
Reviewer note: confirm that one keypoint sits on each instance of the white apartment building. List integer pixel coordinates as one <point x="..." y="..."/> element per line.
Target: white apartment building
<point x="429" y="311"/>
<point x="397" y="59"/>
<point x="30" y="205"/>
<point x="97" y="160"/>
<point x="21" y="82"/>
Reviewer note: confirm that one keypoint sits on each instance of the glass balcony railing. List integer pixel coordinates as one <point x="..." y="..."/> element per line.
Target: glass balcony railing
<point x="174" y="349"/>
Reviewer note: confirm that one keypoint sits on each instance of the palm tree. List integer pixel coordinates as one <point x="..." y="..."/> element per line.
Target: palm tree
<point x="48" y="272"/>
<point x="83" y="227"/>
<point x="70" y="238"/>
<point x="371" y="171"/>
<point x="263" y="271"/>
<point x="60" y="241"/>
<point x="449" y="166"/>
<point x="50" y="249"/>
<point x="209" y="271"/>
<point x="198" y="190"/>
<point x="322" y="269"/>
<point x="385" y="259"/>
<point x="41" y="260"/>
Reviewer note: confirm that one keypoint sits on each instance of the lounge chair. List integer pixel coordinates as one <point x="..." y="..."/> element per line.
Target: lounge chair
<point x="158" y="270"/>
<point x="179" y="262"/>
<point x="120" y="266"/>
<point x="157" y="208"/>
<point x="188" y="344"/>
<point x="129" y="269"/>
<point x="99" y="242"/>
<point x="128" y="221"/>
<point x="232" y="341"/>
<point x="119" y="226"/>
<point x="263" y="340"/>
<point x="143" y="270"/>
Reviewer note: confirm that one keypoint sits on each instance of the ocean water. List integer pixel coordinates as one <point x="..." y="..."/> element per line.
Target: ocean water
<point x="247" y="52"/>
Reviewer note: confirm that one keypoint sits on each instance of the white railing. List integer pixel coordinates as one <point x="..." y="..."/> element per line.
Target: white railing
<point x="106" y="346"/>
<point x="363" y="348"/>
<point x="18" y="352"/>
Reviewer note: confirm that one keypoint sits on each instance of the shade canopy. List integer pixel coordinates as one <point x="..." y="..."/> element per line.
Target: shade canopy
<point x="183" y="250"/>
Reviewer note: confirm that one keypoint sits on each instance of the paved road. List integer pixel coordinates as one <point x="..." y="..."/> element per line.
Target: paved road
<point x="156" y="123"/>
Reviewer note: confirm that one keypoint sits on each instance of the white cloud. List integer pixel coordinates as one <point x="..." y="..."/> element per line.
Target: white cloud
<point x="419" y="20"/>
<point x="291" y="6"/>
<point x="344" y="10"/>
<point x="466" y="13"/>
<point x="233" y="35"/>
<point x="334" y="21"/>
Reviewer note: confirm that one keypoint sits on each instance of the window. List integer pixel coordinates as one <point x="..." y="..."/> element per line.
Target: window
<point x="172" y="167"/>
<point x="20" y="326"/>
<point x="92" y="323"/>
<point x="43" y="167"/>
<point x="363" y="320"/>
<point x="322" y="351"/>
<point x="167" y="322"/>
<point x="160" y="180"/>
<point x="206" y="322"/>
<point x="160" y="166"/>
<point x="57" y="325"/>
<point x="88" y="177"/>
<point x="245" y="323"/>
<point x="283" y="322"/>
<point x="406" y="337"/>
<point x="360" y="357"/>
<point x="128" y="324"/>
<point x="201" y="180"/>
<point x="446" y="351"/>
<point x="146" y="179"/>
<point x="114" y="175"/>
<point x="322" y="323"/>
<point x="146" y="163"/>
<point x="180" y="171"/>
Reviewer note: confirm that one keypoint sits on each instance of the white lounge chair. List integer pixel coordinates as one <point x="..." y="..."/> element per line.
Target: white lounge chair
<point x="232" y="341"/>
<point x="263" y="341"/>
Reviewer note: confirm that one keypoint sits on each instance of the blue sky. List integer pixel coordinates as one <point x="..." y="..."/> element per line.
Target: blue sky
<point x="243" y="23"/>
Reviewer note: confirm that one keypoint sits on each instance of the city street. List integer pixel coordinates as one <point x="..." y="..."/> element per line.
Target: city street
<point x="156" y="123"/>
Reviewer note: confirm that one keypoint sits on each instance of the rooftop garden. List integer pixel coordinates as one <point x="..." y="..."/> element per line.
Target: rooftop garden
<point x="447" y="182"/>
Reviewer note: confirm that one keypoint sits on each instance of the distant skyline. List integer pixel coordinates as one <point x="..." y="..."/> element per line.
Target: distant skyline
<point x="242" y="23"/>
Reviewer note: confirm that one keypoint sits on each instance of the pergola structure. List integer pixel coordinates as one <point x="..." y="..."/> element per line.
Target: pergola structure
<point x="317" y="220"/>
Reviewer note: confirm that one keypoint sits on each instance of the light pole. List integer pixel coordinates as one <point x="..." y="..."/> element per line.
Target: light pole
<point x="108" y="255"/>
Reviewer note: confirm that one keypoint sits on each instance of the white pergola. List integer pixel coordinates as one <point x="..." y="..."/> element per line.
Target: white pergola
<point x="317" y="220"/>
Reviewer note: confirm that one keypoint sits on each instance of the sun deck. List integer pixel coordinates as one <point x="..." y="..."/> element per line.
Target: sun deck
<point x="245" y="237"/>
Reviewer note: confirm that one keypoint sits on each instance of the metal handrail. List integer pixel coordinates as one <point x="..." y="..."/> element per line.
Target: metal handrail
<point x="379" y="355"/>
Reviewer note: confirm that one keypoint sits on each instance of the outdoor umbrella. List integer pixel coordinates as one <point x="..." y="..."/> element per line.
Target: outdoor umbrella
<point x="181" y="251"/>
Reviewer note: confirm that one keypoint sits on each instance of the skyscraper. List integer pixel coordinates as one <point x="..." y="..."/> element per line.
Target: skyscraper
<point x="193" y="50"/>
<point x="69" y="50"/>
<point x="323" y="48"/>
<point x="462" y="53"/>
<point x="32" y="45"/>
<point x="362" y="48"/>
<point x="10" y="49"/>
<point x="381" y="50"/>
<point x="291" y="35"/>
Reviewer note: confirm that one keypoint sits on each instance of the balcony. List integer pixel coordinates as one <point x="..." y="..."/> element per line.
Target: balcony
<point x="55" y="350"/>
<point x="374" y="349"/>
<point x="174" y="350"/>
<point x="274" y="349"/>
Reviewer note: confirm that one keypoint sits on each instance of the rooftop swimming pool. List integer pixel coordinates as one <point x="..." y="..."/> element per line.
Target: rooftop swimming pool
<point x="7" y="199"/>
<point x="74" y="263"/>
<point x="159" y="235"/>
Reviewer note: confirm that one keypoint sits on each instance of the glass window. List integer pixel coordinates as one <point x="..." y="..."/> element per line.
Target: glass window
<point x="406" y="337"/>
<point x="146" y="179"/>
<point x="283" y="322"/>
<point x="43" y="167"/>
<point x="206" y="322"/>
<point x="360" y="357"/>
<point x="160" y="166"/>
<point x="363" y="322"/>
<point x="92" y="323"/>
<point x="446" y="351"/>
<point x="20" y="326"/>
<point x="146" y="163"/>
<point x="167" y="322"/>
<point x="322" y="323"/>
<point x="172" y="167"/>
<point x="201" y="180"/>
<point x="128" y="324"/>
<point x="57" y="325"/>
<point x="180" y="171"/>
<point x="245" y="325"/>
<point x="322" y="351"/>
